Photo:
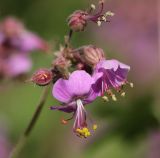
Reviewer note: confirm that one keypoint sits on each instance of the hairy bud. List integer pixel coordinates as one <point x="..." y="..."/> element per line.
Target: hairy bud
<point x="77" y="20"/>
<point x="42" y="77"/>
<point x="90" y="54"/>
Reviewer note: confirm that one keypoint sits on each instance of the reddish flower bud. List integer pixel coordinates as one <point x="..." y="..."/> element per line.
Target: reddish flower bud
<point x="77" y="21"/>
<point x="42" y="77"/>
<point x="90" y="54"/>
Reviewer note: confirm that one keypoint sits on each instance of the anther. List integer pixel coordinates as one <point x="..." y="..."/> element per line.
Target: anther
<point x="109" y="13"/>
<point x="105" y="98"/>
<point x="104" y="18"/>
<point x="93" y="6"/>
<point x="64" y="121"/>
<point x="99" y="23"/>
<point x="123" y="94"/>
<point x="114" y="97"/>
<point x="94" y="127"/>
<point x="131" y="85"/>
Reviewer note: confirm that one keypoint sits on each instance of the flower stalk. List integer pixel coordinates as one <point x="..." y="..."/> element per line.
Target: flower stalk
<point x="22" y="141"/>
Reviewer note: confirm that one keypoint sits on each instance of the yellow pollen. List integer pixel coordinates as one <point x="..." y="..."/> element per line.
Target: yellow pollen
<point x="83" y="133"/>
<point x="94" y="127"/>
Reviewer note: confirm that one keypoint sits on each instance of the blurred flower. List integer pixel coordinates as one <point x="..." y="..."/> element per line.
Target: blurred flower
<point x="17" y="64"/>
<point x="15" y="44"/>
<point x="14" y="37"/>
<point x="110" y="74"/>
<point x="74" y="93"/>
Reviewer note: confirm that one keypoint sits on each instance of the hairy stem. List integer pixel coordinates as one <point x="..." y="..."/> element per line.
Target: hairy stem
<point x="19" y="146"/>
<point x="67" y="42"/>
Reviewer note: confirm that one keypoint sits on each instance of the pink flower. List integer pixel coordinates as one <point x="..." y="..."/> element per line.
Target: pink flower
<point x="15" y="44"/>
<point x="110" y="74"/>
<point x="17" y="64"/>
<point x="14" y="37"/>
<point x="74" y="93"/>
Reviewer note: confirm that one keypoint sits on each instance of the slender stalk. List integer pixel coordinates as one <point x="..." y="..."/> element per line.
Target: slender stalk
<point x="67" y="41"/>
<point x="19" y="146"/>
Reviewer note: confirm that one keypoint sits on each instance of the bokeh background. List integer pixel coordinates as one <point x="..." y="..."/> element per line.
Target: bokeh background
<point x="128" y="128"/>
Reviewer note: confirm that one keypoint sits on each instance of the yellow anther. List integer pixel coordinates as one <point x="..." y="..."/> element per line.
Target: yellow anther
<point x="109" y="13"/>
<point x="105" y="98"/>
<point x="87" y="134"/>
<point x="104" y="18"/>
<point x="123" y="94"/>
<point x="99" y="23"/>
<point x="131" y="85"/>
<point x="79" y="131"/>
<point x="114" y="97"/>
<point x="85" y="129"/>
<point x="94" y="127"/>
<point x="93" y="6"/>
<point x="83" y="133"/>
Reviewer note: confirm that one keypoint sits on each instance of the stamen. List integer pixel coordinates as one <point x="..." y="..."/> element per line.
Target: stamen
<point x="99" y="23"/>
<point x="104" y="18"/>
<point x="83" y="133"/>
<point x="93" y="6"/>
<point x="123" y="94"/>
<point x="64" y="122"/>
<point x="109" y="13"/>
<point x="94" y="126"/>
<point x="131" y="85"/>
<point x="105" y="98"/>
<point x="114" y="97"/>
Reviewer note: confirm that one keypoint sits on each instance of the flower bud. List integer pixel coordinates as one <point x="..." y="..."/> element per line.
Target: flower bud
<point x="42" y="77"/>
<point x="90" y="55"/>
<point x="61" y="63"/>
<point x="77" y="21"/>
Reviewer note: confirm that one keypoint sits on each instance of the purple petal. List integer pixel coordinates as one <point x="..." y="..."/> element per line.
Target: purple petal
<point x="112" y="64"/>
<point x="31" y="42"/>
<point x="18" y="64"/>
<point x="80" y="83"/>
<point x="90" y="97"/>
<point x="61" y="91"/>
<point x="64" y="108"/>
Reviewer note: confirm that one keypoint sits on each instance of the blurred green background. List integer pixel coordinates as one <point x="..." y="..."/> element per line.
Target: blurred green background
<point x="128" y="128"/>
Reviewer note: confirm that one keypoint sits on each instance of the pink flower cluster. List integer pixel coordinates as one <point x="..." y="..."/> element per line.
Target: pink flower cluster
<point x="80" y="75"/>
<point x="15" y="45"/>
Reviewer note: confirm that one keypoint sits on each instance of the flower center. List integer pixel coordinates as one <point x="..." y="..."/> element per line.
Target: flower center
<point x="80" y="125"/>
